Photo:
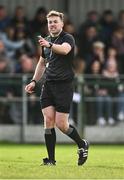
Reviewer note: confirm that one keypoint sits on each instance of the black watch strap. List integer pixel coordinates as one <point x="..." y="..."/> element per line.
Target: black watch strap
<point x="33" y="80"/>
<point x="51" y="44"/>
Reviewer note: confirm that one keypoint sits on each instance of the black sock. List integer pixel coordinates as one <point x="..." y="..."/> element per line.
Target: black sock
<point x="73" y="134"/>
<point x="50" y="140"/>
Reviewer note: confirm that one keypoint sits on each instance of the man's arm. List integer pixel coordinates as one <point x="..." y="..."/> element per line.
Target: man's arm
<point x="39" y="69"/>
<point x="63" y="49"/>
<point x="37" y="75"/>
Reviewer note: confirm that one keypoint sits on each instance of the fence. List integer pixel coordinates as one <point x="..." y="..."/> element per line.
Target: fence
<point x="20" y="113"/>
<point x="21" y="119"/>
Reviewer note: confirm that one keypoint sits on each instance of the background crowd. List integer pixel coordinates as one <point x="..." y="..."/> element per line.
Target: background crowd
<point x="99" y="53"/>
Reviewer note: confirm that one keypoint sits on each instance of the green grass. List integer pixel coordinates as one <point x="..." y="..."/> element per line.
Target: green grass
<point x="23" y="162"/>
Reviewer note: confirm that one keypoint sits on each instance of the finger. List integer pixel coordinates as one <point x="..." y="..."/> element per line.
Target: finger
<point x="30" y="92"/>
<point x="42" y="44"/>
<point x="30" y="88"/>
<point x="26" y="88"/>
<point x="40" y="40"/>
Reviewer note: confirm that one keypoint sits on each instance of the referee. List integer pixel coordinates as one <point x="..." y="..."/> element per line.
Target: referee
<point x="57" y="91"/>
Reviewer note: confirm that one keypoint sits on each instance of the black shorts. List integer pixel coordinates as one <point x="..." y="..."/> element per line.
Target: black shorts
<point x="57" y="94"/>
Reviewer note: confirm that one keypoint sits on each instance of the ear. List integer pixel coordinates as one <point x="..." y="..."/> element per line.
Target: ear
<point x="62" y="24"/>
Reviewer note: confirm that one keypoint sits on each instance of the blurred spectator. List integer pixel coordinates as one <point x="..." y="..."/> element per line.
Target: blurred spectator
<point x="106" y="93"/>
<point x="98" y="49"/>
<point x="28" y="66"/>
<point x="4" y="18"/>
<point x="96" y="68"/>
<point x="25" y="64"/>
<point x="111" y="56"/>
<point x="39" y="23"/>
<point x="70" y="28"/>
<point x="92" y="19"/>
<point x="111" y="70"/>
<point x="20" y="21"/>
<point x="118" y="40"/>
<point x="97" y="53"/>
<point x="107" y="24"/>
<point x="28" y="47"/>
<point x="4" y="64"/>
<point x="9" y="42"/>
<point x="79" y="66"/>
<point x="93" y="79"/>
<point x="4" y="93"/>
<point x="120" y="19"/>
<point x="3" y="52"/>
<point x="91" y="90"/>
<point x="118" y="43"/>
<point x="86" y="40"/>
<point x="2" y="49"/>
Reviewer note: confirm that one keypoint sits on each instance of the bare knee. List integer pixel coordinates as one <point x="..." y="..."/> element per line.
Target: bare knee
<point x="62" y="126"/>
<point x="48" y="121"/>
<point x="62" y="121"/>
<point x="49" y="118"/>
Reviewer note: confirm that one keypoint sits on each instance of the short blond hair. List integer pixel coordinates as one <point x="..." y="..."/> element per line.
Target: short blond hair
<point x="99" y="44"/>
<point x="55" y="13"/>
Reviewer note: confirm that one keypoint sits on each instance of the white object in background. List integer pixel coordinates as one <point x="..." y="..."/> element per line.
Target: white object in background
<point x="76" y="97"/>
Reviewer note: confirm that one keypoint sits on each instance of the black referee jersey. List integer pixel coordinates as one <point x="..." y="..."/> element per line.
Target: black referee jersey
<point x="59" y="67"/>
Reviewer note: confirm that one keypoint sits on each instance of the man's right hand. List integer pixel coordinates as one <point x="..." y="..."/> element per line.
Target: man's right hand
<point x="30" y="87"/>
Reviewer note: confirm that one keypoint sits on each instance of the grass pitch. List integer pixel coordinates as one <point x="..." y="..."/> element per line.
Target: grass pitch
<point x="23" y="162"/>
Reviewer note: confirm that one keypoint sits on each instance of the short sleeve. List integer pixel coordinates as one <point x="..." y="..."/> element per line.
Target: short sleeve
<point x="68" y="38"/>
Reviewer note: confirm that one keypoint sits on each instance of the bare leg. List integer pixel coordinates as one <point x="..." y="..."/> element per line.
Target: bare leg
<point x="62" y="123"/>
<point x="49" y="117"/>
<point x="50" y="135"/>
<point x="61" y="120"/>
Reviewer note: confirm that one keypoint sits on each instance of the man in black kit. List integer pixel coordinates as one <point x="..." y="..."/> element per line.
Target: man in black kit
<point x="56" y="95"/>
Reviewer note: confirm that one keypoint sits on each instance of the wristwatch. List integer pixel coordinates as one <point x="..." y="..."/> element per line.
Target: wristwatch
<point x="51" y="44"/>
<point x="33" y="80"/>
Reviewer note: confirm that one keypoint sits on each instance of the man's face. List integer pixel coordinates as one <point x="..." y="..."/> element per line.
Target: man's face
<point x="55" y="24"/>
